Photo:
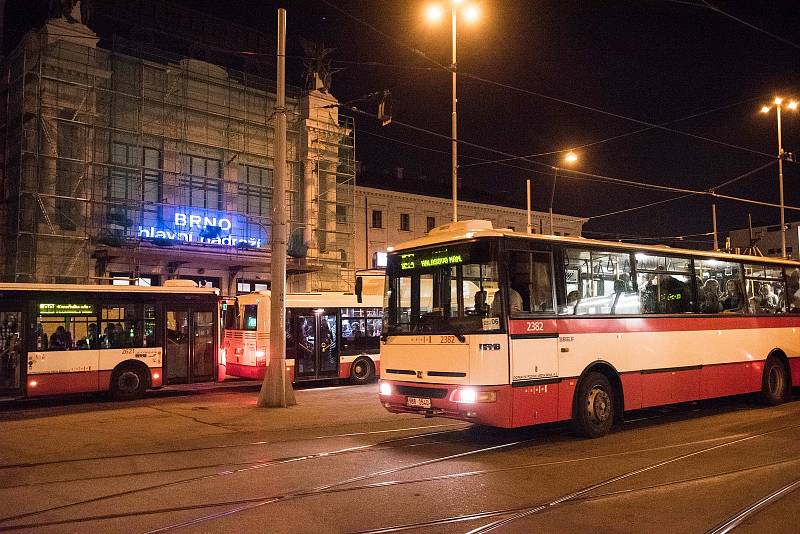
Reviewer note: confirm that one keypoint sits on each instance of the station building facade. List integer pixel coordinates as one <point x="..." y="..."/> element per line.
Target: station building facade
<point x="132" y="166"/>
<point x="385" y="218"/>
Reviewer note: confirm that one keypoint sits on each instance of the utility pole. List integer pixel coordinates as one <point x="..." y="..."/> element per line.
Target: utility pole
<point x="714" y="223"/>
<point x="454" y="118"/>
<point x="276" y="391"/>
<point x="528" y="227"/>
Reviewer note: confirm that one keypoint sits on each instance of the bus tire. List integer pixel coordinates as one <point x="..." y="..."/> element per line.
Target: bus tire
<point x="594" y="406"/>
<point x="127" y="383"/>
<point x="775" y="382"/>
<point x="362" y="371"/>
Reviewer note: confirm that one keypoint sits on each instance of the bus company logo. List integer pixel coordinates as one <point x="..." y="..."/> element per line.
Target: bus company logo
<point x="489" y="346"/>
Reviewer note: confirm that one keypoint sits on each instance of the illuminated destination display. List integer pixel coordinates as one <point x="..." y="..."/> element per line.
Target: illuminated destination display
<point x="201" y="228"/>
<point x="434" y="258"/>
<point x="66" y="309"/>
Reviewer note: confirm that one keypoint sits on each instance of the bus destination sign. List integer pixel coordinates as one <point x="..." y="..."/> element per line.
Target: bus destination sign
<point x="434" y="258"/>
<point x="65" y="309"/>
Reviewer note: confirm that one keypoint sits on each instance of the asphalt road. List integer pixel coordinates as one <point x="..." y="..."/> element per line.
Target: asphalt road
<point x="211" y="461"/>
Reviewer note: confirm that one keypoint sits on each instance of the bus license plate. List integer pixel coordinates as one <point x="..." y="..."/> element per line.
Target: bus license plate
<point x="418" y="402"/>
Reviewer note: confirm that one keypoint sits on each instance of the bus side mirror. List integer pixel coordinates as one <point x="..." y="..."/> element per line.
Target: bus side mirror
<point x="359" y="288"/>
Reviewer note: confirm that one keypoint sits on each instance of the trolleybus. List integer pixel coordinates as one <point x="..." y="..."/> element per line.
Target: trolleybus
<point x="328" y="336"/>
<point x="510" y="329"/>
<point x="57" y="338"/>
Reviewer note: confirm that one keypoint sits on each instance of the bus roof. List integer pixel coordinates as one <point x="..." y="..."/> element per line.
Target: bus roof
<point x="318" y="300"/>
<point x="96" y="288"/>
<point x="465" y="230"/>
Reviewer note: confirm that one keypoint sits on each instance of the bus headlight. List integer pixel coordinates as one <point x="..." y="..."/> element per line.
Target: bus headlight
<point x="385" y="388"/>
<point x="261" y="358"/>
<point x="472" y="395"/>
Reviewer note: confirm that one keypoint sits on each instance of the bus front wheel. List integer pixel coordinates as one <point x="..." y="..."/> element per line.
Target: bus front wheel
<point x="128" y="383"/>
<point x="594" y="406"/>
<point x="362" y="371"/>
<point x="775" y="382"/>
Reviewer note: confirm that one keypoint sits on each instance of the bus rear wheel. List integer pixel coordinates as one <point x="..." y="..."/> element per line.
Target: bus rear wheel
<point x="775" y="382"/>
<point x="128" y="383"/>
<point x="362" y="371"/>
<point x="594" y="406"/>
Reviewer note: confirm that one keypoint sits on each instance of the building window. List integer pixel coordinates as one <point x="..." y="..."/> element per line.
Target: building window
<point x="405" y="222"/>
<point x="203" y="178"/>
<point x="135" y="177"/>
<point x="341" y="214"/>
<point x="202" y="281"/>
<point x="377" y="219"/>
<point x="127" y="279"/>
<point x="255" y="190"/>
<point x="430" y="223"/>
<point x="249" y="286"/>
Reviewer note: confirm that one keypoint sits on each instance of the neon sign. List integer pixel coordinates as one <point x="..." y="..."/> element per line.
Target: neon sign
<point x="204" y="229"/>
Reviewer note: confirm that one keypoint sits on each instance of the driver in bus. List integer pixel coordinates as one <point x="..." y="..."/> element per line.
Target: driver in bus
<point x="514" y="302"/>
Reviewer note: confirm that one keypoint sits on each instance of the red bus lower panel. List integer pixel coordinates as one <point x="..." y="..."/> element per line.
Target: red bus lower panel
<point x="61" y="383"/>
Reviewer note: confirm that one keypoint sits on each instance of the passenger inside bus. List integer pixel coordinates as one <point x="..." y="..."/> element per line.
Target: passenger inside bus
<point x="766" y="301"/>
<point x="481" y="308"/>
<point x="60" y="339"/>
<point x="733" y="300"/>
<point x="709" y="299"/>
<point x="663" y="293"/>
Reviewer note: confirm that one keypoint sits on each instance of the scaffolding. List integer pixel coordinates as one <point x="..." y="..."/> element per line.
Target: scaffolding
<point x="103" y="147"/>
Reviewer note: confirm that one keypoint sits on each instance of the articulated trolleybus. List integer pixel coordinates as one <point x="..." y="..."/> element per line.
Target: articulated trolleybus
<point x="58" y="338"/>
<point x="510" y="329"/>
<point x="328" y="336"/>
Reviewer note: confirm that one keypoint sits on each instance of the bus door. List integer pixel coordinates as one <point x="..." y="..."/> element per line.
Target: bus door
<point x="189" y="347"/>
<point x="317" y="344"/>
<point x="12" y="353"/>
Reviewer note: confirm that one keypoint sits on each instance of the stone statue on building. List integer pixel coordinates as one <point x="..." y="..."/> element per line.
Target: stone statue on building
<point x="317" y="63"/>
<point x="73" y="11"/>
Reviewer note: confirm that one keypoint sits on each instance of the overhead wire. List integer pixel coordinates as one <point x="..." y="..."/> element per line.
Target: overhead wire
<point x="750" y="25"/>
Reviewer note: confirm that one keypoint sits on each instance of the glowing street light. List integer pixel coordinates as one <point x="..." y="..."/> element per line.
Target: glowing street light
<point x="434" y="14"/>
<point x="569" y="158"/>
<point x="792" y="105"/>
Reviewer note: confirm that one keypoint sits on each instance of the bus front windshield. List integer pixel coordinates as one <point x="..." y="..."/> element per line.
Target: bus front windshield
<point x="448" y="289"/>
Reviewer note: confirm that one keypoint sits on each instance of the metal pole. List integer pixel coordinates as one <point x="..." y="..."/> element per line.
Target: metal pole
<point x="552" y="198"/>
<point x="276" y="391"/>
<point x="780" y="183"/>
<point x="528" y="184"/>
<point x="714" y="223"/>
<point x="455" y="122"/>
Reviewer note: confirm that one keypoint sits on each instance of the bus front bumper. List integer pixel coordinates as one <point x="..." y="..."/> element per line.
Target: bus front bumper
<point x="486" y="405"/>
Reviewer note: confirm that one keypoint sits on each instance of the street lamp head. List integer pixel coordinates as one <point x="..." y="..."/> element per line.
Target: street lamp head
<point x="778" y="101"/>
<point x="792" y="105"/>
<point x="765" y="109"/>
<point x="472" y="13"/>
<point x="571" y="157"/>
<point x="434" y="13"/>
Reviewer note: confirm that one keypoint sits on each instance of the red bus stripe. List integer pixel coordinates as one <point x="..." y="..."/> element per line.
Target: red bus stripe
<point x="610" y="325"/>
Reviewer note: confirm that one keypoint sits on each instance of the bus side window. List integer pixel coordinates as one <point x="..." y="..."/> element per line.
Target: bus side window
<point x="530" y="276"/>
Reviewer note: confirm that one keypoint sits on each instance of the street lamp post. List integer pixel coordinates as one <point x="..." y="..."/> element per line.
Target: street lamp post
<point x="570" y="158"/>
<point x="471" y="13"/>
<point x="778" y="102"/>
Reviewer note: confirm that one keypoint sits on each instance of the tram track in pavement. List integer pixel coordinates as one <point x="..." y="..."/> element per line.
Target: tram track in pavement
<point x="754" y="508"/>
<point x="462" y="518"/>
<point x="250" y="466"/>
<point x="574" y="495"/>
<point x="302" y="493"/>
<point x="341" y="486"/>
<point x="459" y="426"/>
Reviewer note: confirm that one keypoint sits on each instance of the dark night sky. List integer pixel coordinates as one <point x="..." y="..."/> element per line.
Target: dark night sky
<point x="652" y="60"/>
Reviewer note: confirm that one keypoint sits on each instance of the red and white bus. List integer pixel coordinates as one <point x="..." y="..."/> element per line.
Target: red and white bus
<point x="510" y="329"/>
<point x="328" y="336"/>
<point x="58" y="338"/>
